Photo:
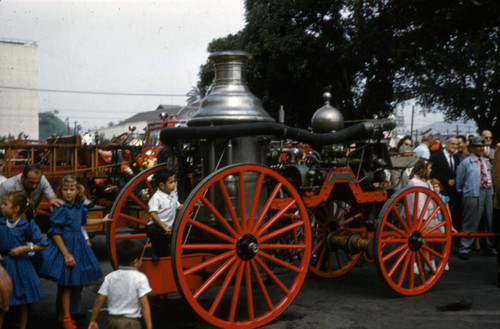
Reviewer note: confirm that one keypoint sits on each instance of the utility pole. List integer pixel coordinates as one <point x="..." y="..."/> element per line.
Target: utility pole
<point x="411" y="127"/>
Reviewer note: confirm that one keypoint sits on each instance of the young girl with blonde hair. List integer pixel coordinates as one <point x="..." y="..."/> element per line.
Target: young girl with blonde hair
<point x="68" y="260"/>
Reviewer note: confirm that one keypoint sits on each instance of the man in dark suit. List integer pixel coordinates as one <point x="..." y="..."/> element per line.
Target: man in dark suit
<point x="444" y="165"/>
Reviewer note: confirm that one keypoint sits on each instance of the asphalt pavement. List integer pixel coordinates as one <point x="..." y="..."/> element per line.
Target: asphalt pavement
<point x="465" y="297"/>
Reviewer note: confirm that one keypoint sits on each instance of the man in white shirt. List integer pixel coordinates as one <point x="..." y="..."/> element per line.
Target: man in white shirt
<point x="423" y="150"/>
<point x="489" y="149"/>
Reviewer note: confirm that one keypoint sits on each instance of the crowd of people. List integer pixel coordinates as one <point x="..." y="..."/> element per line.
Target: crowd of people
<point x="64" y="255"/>
<point x="464" y="171"/>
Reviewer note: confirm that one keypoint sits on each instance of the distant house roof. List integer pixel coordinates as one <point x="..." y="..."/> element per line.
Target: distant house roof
<point x="183" y="112"/>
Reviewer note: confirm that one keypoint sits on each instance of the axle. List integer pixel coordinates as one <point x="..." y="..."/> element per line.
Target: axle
<point x="350" y="243"/>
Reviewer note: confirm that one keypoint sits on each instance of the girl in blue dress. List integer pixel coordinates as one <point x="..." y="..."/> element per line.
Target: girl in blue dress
<point x="15" y="232"/>
<point x="68" y="260"/>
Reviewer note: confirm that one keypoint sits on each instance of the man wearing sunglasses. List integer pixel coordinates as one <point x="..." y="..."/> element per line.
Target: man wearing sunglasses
<point x="489" y="149"/>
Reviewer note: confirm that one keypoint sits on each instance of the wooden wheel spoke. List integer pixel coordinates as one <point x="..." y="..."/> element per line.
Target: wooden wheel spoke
<point x="207" y="246"/>
<point x="424" y="211"/>
<point x="272" y="275"/>
<point x="265" y="209"/>
<point x="394" y="252"/>
<point x="132" y="218"/>
<point x="428" y="220"/>
<point x="320" y="242"/>
<point x="214" y="277"/>
<point x="219" y="217"/>
<point x="243" y="210"/>
<point x="339" y="260"/>
<point x="426" y="260"/>
<point x="236" y="292"/>
<point x="139" y="202"/>
<point x="401" y="219"/>
<point x="324" y="251"/>
<point x="280" y="231"/>
<point x="212" y="231"/>
<point x="404" y="268"/>
<point x="255" y="201"/>
<point x="420" y="267"/>
<point x="151" y="189"/>
<point x="229" y="205"/>
<point x="350" y="220"/>
<point x="398" y="261"/>
<point x="415" y="211"/>
<point x="209" y="262"/>
<point x="261" y="285"/>
<point x="395" y="229"/>
<point x="433" y="251"/>
<point x="279" y="261"/>
<point x="224" y="286"/>
<point x="407" y="212"/>
<point x="248" y="285"/>
<point x="131" y="236"/>
<point x="411" y="280"/>
<point x="431" y="232"/>
<point x="282" y="246"/>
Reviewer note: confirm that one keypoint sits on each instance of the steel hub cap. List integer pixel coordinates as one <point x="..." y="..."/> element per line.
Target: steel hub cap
<point x="415" y="241"/>
<point x="247" y="246"/>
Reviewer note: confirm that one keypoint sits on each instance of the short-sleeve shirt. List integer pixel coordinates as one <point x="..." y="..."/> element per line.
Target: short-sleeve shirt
<point x="165" y="205"/>
<point x="123" y="288"/>
<point x="422" y="151"/>
<point x="14" y="184"/>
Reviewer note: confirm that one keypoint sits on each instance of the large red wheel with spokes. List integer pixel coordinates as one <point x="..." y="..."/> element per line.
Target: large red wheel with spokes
<point x="413" y="240"/>
<point x="340" y="218"/>
<point x="255" y="226"/>
<point x="130" y="211"/>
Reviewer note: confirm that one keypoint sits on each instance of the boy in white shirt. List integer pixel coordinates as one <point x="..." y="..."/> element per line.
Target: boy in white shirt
<point x="163" y="207"/>
<point x="127" y="291"/>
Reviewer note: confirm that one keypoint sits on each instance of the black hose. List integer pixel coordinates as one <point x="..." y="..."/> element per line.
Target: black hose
<point x="369" y="129"/>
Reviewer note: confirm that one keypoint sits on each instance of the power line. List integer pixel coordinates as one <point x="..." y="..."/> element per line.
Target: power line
<point x="93" y="92"/>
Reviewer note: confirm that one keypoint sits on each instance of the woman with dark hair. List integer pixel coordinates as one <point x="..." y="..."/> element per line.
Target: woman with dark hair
<point x="406" y="141"/>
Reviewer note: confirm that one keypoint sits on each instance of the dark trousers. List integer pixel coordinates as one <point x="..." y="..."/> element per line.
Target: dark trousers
<point x="159" y="240"/>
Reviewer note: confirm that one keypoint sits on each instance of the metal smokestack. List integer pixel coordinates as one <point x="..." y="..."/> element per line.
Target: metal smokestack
<point x="230" y="101"/>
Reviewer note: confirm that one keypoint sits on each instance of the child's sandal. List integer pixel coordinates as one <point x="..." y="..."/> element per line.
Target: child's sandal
<point x="68" y="323"/>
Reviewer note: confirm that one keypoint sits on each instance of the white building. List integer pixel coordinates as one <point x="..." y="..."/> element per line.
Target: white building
<point x="18" y="88"/>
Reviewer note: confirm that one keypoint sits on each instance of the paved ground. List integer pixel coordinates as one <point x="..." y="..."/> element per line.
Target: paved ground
<point x="466" y="297"/>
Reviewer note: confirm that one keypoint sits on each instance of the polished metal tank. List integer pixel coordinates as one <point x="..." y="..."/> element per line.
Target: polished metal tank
<point x="230" y="100"/>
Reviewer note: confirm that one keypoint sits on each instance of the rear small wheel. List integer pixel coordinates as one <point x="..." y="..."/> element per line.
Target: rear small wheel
<point x="413" y="240"/>
<point x="130" y="211"/>
<point x="253" y="230"/>
<point x="339" y="217"/>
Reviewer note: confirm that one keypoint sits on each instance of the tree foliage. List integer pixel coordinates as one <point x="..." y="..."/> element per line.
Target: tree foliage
<point x="49" y="124"/>
<point x="371" y="55"/>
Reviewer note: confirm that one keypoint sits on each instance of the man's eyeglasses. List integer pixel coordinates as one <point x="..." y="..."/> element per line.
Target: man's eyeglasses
<point x="487" y="137"/>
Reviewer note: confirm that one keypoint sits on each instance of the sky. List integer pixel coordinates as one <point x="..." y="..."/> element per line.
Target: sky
<point x="124" y="47"/>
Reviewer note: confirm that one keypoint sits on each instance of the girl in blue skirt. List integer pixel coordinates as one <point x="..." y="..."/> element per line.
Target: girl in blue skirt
<point x="68" y="260"/>
<point x="15" y="232"/>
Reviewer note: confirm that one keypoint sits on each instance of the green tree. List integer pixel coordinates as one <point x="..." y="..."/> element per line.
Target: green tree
<point x="49" y="124"/>
<point x="450" y="57"/>
<point x="371" y="55"/>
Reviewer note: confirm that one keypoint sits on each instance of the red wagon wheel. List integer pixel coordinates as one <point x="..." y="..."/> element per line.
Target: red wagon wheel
<point x="339" y="217"/>
<point x="255" y="226"/>
<point x="130" y="210"/>
<point x="413" y="240"/>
